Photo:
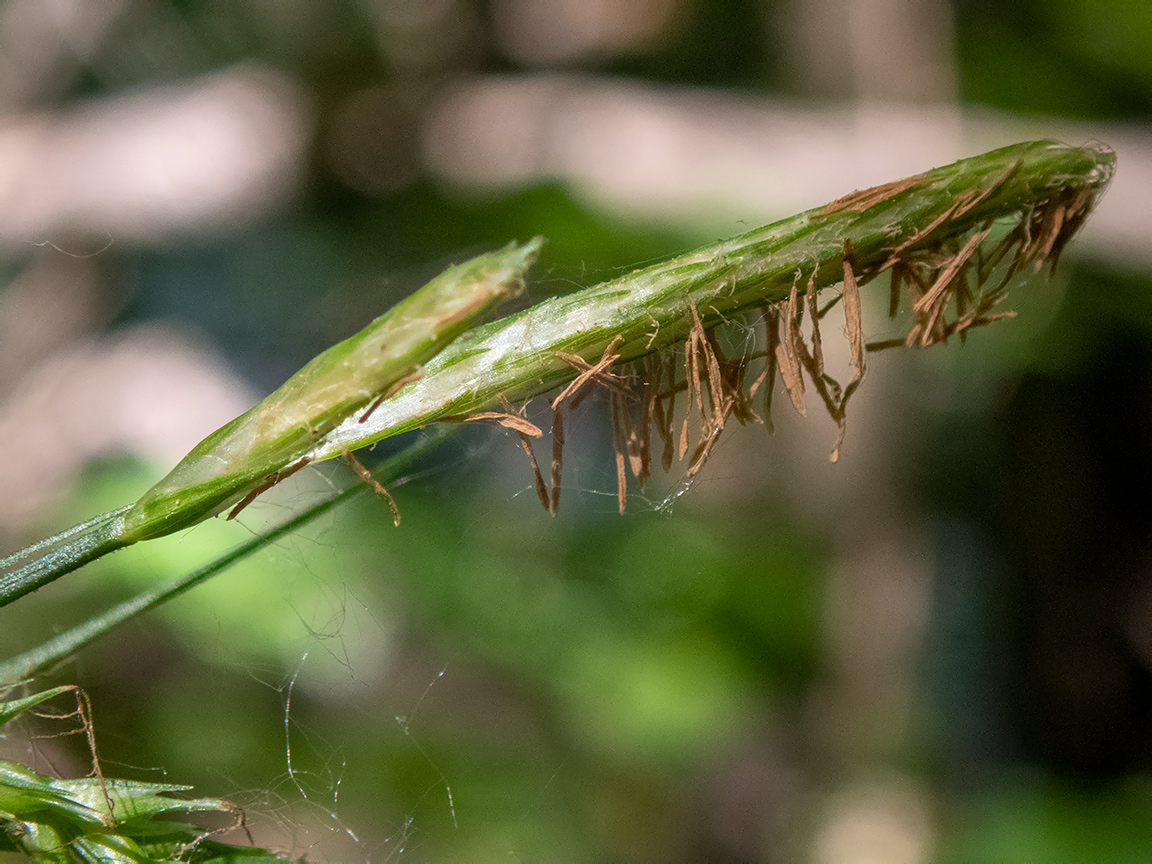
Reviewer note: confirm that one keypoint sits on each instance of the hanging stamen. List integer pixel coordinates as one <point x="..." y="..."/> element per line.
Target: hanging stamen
<point x="817" y="370"/>
<point x="853" y="319"/>
<point x="702" y="452"/>
<point x="948" y="272"/>
<point x="272" y="480"/>
<point x="618" y="442"/>
<point x="854" y="327"/>
<point x="710" y="362"/>
<point x="557" y="458"/>
<point x="768" y="376"/>
<point x="376" y="485"/>
<point x="692" y="380"/>
<point x="786" y="353"/>
<point x="632" y="441"/>
<point x="588" y="371"/>
<point x="541" y="486"/>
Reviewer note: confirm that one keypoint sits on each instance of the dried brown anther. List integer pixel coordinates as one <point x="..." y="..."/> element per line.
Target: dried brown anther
<point x="953" y="281"/>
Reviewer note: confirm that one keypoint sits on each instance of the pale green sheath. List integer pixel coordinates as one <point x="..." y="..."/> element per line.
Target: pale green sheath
<point x="254" y="450"/>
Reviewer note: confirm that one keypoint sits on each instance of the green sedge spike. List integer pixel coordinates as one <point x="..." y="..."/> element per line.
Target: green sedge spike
<point x="263" y="446"/>
<point x="908" y="229"/>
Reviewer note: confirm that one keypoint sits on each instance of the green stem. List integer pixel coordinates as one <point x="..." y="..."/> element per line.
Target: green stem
<point x="51" y="653"/>
<point x="40" y="563"/>
<point x="48" y="654"/>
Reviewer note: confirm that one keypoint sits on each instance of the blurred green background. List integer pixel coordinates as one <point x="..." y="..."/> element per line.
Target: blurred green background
<point x="937" y="650"/>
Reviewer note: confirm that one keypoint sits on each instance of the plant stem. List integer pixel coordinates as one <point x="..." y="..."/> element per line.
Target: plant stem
<point x="51" y="653"/>
<point x="41" y="563"/>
